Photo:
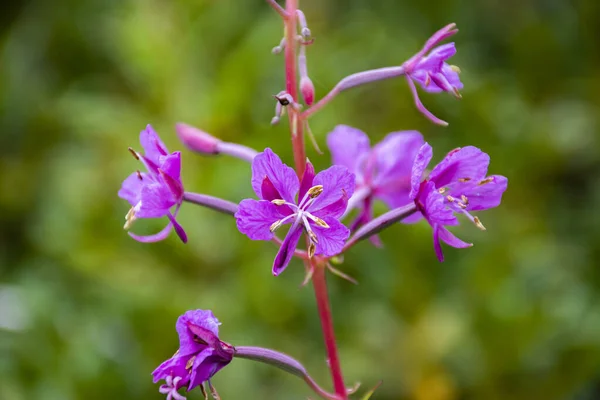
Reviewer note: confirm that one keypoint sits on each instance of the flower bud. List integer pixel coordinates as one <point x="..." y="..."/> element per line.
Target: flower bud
<point x="308" y="90"/>
<point x="197" y="140"/>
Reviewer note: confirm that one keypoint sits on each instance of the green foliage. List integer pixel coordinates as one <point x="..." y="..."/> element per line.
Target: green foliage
<point x="87" y="313"/>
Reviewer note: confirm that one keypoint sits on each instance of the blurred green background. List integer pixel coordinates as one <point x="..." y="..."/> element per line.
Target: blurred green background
<point x="87" y="313"/>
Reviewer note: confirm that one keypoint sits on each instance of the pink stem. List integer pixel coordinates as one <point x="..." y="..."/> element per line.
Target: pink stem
<point x="296" y="124"/>
<point x="320" y="286"/>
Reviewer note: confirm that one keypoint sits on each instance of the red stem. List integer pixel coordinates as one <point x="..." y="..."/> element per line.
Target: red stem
<point x="296" y="124"/>
<point x="320" y="286"/>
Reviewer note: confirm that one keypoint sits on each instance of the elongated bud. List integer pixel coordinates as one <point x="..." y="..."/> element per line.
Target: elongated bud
<point x="307" y="89"/>
<point x="196" y="139"/>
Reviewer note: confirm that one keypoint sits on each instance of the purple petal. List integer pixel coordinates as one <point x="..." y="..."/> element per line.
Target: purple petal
<point x="156" y="199"/>
<point x="330" y="240"/>
<point x="154" y="148"/>
<point x="131" y="188"/>
<point x="174" y="366"/>
<point x="436" y="243"/>
<point x="178" y="228"/>
<point x="286" y="251"/>
<point x="422" y="159"/>
<point x="201" y="370"/>
<point x="268" y="165"/>
<point x="448" y="237"/>
<point x="464" y="163"/>
<point x="338" y="183"/>
<point x="157" y="237"/>
<point x="268" y="191"/>
<point x="419" y="104"/>
<point x="254" y="218"/>
<point x="394" y="159"/>
<point x="349" y="146"/>
<point x="307" y="180"/>
<point x="202" y="318"/>
<point x="171" y="165"/>
<point x="434" y="60"/>
<point x="486" y="195"/>
<point x="435" y="209"/>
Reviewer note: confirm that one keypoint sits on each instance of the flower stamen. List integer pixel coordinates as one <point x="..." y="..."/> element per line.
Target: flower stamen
<point x="278" y="202"/>
<point x="315" y="191"/>
<point x="134" y="153"/>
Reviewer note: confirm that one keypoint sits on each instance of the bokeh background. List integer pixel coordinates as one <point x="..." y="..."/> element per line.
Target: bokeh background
<point x="87" y="313"/>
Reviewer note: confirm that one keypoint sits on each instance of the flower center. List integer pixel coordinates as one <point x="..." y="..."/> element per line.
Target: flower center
<point x="301" y="216"/>
<point x="458" y="202"/>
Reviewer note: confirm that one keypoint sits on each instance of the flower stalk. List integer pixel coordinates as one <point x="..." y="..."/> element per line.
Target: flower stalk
<point x="296" y="125"/>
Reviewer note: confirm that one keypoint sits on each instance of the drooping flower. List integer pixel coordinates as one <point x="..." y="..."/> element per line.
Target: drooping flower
<point x="201" y="354"/>
<point x="457" y="185"/>
<point x="154" y="193"/>
<point x="382" y="172"/>
<point x="313" y="205"/>
<point x="429" y="68"/>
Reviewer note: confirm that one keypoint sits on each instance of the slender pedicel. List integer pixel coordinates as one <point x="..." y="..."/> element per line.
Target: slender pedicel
<point x="278" y="8"/>
<point x="378" y="224"/>
<point x="284" y="362"/>
<point x="214" y="203"/>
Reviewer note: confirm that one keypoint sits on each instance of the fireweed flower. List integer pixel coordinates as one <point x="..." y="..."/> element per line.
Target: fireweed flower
<point x="313" y="205"/>
<point x="154" y="193"/>
<point x="201" y="354"/>
<point x="457" y="185"/>
<point x="382" y="172"/>
<point x="434" y="74"/>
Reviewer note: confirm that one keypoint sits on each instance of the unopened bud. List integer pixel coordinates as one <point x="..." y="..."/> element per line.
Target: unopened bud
<point x="308" y="90"/>
<point x="196" y="139"/>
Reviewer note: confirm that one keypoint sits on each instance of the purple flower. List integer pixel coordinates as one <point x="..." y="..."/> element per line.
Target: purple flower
<point x="458" y="184"/>
<point x="382" y="172"/>
<point x="201" y="354"/>
<point x="429" y="68"/>
<point x="434" y="74"/>
<point x="321" y="200"/>
<point x="154" y="193"/>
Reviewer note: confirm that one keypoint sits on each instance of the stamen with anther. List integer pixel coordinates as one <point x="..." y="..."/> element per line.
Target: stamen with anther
<point x="139" y="175"/>
<point x="486" y="180"/>
<point x="275" y="225"/>
<point x="130" y="218"/>
<point x="278" y="202"/>
<point x="464" y="199"/>
<point x="450" y="199"/>
<point x="478" y="223"/>
<point x="311" y="249"/>
<point x="190" y="363"/>
<point x="315" y="191"/>
<point x="133" y="153"/>
<point x="313" y="237"/>
<point x="464" y="179"/>
<point x="442" y="190"/>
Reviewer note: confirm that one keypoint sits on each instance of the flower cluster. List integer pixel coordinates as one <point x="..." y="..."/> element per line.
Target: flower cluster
<point x="393" y="171"/>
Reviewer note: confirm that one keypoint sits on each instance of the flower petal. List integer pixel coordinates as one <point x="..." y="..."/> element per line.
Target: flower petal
<point x="464" y="163"/>
<point x="395" y="155"/>
<point x="338" y="183"/>
<point x="422" y="159"/>
<point x="202" y="318"/>
<point x="448" y="237"/>
<point x="154" y="148"/>
<point x="284" y="179"/>
<point x="156" y="200"/>
<point x="307" y="180"/>
<point x="157" y="237"/>
<point x="131" y="188"/>
<point x="171" y="165"/>
<point x="254" y="218"/>
<point x="349" y="146"/>
<point x="435" y="209"/>
<point x="436" y="57"/>
<point x="286" y="251"/>
<point x="330" y="240"/>
<point x="201" y="369"/>
<point x="486" y="195"/>
<point x="174" y="366"/>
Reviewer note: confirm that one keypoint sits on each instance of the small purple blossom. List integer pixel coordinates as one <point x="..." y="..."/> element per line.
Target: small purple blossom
<point x="457" y="185"/>
<point x="313" y="205"/>
<point x="382" y="172"/>
<point x="201" y="354"/>
<point x="154" y="193"/>
<point x="429" y="68"/>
